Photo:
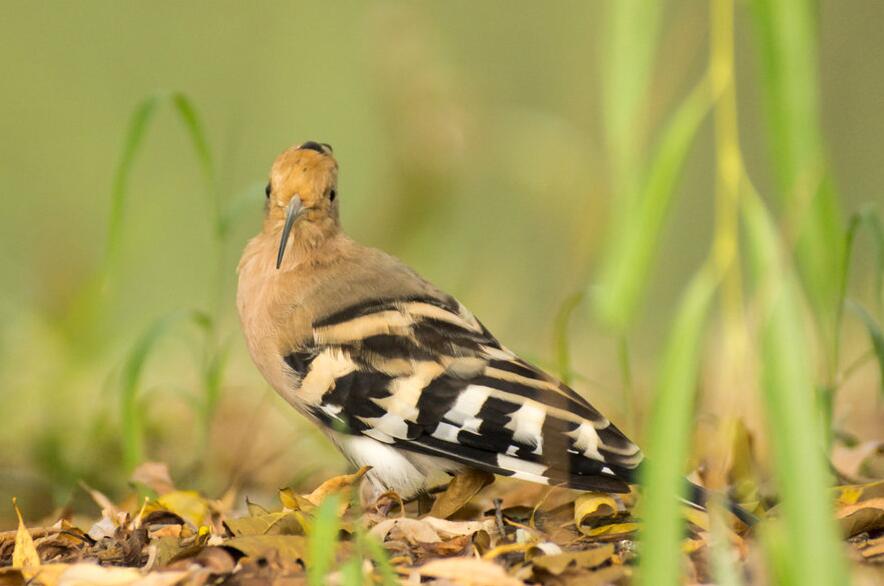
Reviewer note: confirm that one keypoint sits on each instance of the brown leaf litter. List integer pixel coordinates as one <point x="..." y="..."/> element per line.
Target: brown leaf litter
<point x="475" y="535"/>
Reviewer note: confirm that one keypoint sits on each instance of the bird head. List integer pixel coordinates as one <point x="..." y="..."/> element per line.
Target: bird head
<point x="302" y="187"/>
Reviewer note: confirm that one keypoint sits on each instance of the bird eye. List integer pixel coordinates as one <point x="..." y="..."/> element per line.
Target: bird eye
<point x="332" y="194"/>
<point x="267" y="190"/>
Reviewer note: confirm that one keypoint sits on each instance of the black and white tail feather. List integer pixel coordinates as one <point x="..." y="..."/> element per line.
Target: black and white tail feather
<point x="423" y="375"/>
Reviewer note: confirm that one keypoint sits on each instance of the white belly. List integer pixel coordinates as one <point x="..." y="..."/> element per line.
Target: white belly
<point x="406" y="473"/>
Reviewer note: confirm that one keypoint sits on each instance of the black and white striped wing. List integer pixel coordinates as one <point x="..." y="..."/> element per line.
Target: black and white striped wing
<point x="424" y="375"/>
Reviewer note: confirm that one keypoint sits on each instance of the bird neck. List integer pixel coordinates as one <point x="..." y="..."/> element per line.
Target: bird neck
<point x="307" y="242"/>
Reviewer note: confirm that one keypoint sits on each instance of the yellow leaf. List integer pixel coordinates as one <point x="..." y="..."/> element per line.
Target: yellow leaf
<point x="853" y="493"/>
<point x="689" y="546"/>
<point x="849" y="495"/>
<point x="24" y="556"/>
<point x="463" y="487"/>
<point x="609" y="530"/>
<point x="287" y="498"/>
<point x="295" y="502"/>
<point x="590" y="507"/>
<point x="335" y="485"/>
<point x="187" y="504"/>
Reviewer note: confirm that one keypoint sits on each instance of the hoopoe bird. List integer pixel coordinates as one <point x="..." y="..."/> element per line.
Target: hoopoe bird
<point x="400" y="375"/>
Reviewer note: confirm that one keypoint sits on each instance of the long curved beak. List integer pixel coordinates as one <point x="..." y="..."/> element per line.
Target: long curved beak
<point x="291" y="214"/>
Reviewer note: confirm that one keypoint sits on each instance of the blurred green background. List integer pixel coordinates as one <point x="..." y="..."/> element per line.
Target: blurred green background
<point x="471" y="143"/>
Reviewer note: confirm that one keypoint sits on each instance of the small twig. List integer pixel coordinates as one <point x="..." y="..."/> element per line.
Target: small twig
<point x="36" y="533"/>
<point x="498" y="515"/>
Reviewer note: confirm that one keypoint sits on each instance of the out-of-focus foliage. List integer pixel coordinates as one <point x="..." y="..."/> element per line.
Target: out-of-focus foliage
<point x="623" y="150"/>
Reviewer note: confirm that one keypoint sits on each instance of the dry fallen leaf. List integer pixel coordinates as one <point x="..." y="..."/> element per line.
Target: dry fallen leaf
<point x="86" y="574"/>
<point x="463" y="487"/>
<point x="187" y="504"/>
<point x="453" y="547"/>
<point x="446" y="528"/>
<point x="24" y="556"/>
<point x="867" y="515"/>
<point x="335" y="485"/>
<point x="155" y="476"/>
<point x="92" y="575"/>
<point x="49" y="574"/>
<point x="288" y="547"/>
<point x="468" y="572"/>
<point x="591" y="507"/>
<point x="590" y="558"/>
<point x="411" y="530"/>
<point x="108" y="509"/>
<point x="607" y="576"/>
<point x="849" y="461"/>
<point x="217" y="560"/>
<point x="277" y="523"/>
<point x="874" y="549"/>
<point x="551" y="536"/>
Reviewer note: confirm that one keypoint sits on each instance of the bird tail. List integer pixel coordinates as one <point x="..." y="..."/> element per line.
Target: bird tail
<point x="695" y="495"/>
<point x="698" y="496"/>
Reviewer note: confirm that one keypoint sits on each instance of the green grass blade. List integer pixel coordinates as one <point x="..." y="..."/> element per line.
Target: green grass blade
<point x="669" y="436"/>
<point x="138" y="125"/>
<point x="239" y="205"/>
<point x="213" y="378"/>
<point x="381" y="559"/>
<point x="626" y="264"/>
<point x="875" y="336"/>
<point x="630" y="37"/>
<point x="786" y="36"/>
<point x="560" y="336"/>
<point x="868" y="218"/>
<point x="351" y="572"/>
<point x="788" y="394"/>
<point x="322" y="542"/>
<point x="787" y="45"/>
<point x="188" y="115"/>
<point x="800" y="469"/>
<point x="132" y="417"/>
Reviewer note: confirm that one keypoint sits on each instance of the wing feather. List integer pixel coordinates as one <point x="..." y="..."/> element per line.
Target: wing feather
<point x="423" y="374"/>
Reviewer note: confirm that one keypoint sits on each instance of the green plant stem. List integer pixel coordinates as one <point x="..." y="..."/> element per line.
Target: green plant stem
<point x="669" y="432"/>
<point x="560" y="334"/>
<point x="625" y="363"/>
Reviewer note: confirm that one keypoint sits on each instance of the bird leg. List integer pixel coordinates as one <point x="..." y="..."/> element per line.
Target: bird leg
<point x="424" y="503"/>
<point x="385" y="502"/>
